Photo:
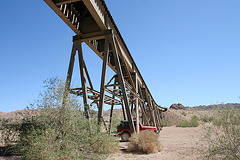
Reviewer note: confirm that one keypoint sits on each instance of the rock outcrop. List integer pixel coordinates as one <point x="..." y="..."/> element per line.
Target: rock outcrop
<point x="177" y="106"/>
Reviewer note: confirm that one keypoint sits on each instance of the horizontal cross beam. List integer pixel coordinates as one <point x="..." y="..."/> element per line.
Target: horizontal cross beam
<point x="93" y="36"/>
<point x="60" y="2"/>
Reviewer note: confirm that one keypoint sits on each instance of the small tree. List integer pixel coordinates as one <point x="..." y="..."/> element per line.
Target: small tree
<point x="224" y="136"/>
<point x="60" y="132"/>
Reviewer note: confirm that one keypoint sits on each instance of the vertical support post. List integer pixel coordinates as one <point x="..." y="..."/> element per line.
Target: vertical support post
<point x="123" y="110"/>
<point x="111" y="112"/>
<point x="136" y="102"/>
<point x="144" y="114"/>
<point x="70" y="67"/>
<point x="137" y="116"/>
<point x="83" y="78"/>
<point x="152" y="111"/>
<point x="156" y="115"/>
<point x="121" y="82"/>
<point x="149" y="103"/>
<point x="69" y="74"/>
<point x="131" y="104"/>
<point x="103" y="80"/>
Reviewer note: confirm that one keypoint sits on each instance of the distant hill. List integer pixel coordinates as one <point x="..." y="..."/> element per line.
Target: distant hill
<point x="22" y="113"/>
<point x="216" y="106"/>
<point x="115" y="112"/>
<point x="2" y="113"/>
<point x="18" y="113"/>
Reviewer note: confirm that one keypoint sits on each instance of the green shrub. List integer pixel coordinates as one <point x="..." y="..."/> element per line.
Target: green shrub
<point x="116" y="120"/>
<point x="183" y="113"/>
<point x="166" y="122"/>
<point x="206" y="118"/>
<point x="224" y="136"/>
<point x="193" y="122"/>
<point x="58" y="132"/>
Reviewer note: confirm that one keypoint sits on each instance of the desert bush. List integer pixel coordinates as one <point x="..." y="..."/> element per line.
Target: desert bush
<point x="206" y="118"/>
<point x="193" y="122"/>
<point x="8" y="130"/>
<point x="183" y="113"/>
<point x="170" y="117"/>
<point x="60" y="132"/>
<point x="166" y="122"/>
<point x="144" y="142"/>
<point x="116" y="120"/>
<point x="224" y="136"/>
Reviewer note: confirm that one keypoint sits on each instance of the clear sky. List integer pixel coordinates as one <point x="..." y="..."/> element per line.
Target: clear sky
<point x="188" y="51"/>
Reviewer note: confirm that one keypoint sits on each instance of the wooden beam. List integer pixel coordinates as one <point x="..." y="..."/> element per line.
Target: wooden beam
<point x="103" y="79"/>
<point x="88" y="76"/>
<point x="93" y="36"/>
<point x="135" y="82"/>
<point x="60" y="2"/>
<point x="121" y="82"/>
<point x="83" y="79"/>
<point x="137" y="115"/>
<point x="62" y="16"/>
<point x="69" y="75"/>
<point x="156" y="115"/>
<point x="144" y="114"/>
<point x="123" y="110"/>
<point x="111" y="111"/>
<point x="127" y="68"/>
<point x="95" y="9"/>
<point x="70" y="67"/>
<point x="148" y="98"/>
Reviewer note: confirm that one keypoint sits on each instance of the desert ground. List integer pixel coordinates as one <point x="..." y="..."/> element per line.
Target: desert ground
<point x="178" y="143"/>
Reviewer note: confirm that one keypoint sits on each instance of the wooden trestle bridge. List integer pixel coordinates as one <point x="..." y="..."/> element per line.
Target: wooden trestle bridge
<point x="94" y="25"/>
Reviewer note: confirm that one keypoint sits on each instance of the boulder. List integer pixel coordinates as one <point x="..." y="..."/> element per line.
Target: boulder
<point x="177" y="106"/>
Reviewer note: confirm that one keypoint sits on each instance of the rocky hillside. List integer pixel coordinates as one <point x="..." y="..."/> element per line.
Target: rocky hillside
<point x="216" y="106"/>
<point x="18" y="113"/>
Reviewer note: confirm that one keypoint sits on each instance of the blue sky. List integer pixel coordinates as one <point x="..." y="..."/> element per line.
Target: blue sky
<point x="188" y="51"/>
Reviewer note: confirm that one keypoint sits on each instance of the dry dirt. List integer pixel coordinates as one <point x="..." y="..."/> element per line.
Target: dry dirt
<point x="178" y="144"/>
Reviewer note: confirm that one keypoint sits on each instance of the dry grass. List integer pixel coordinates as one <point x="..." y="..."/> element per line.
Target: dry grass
<point x="144" y="142"/>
